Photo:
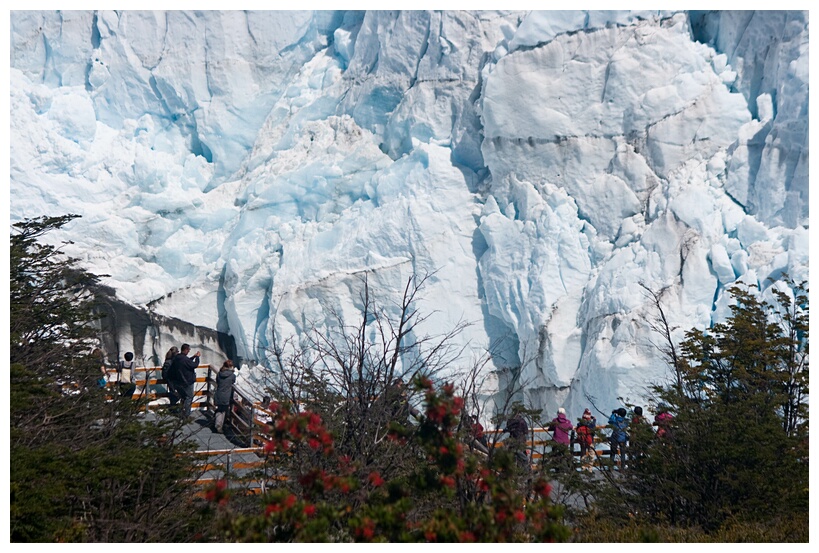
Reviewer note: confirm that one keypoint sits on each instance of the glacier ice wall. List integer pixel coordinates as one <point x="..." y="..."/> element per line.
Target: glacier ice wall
<point x="243" y="171"/>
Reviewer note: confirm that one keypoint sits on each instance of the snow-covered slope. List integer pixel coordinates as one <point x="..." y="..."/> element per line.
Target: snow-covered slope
<point x="243" y="170"/>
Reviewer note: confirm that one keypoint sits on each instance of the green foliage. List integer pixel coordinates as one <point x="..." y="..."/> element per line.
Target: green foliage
<point x="85" y="466"/>
<point x="736" y="455"/>
<point x="597" y="529"/>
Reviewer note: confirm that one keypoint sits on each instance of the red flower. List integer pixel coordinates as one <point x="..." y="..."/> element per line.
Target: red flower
<point x="466" y="537"/>
<point x="459" y="403"/>
<point x="443" y="450"/>
<point x="519" y="516"/>
<point x="448" y="481"/>
<point x="429" y="535"/>
<point x="272" y="509"/>
<point x="309" y="510"/>
<point x="376" y="480"/>
<point x="313" y="443"/>
<point x="369" y="529"/>
<point x="543" y="488"/>
<point x="289" y="501"/>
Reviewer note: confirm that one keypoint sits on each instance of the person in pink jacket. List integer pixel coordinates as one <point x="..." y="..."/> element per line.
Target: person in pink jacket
<point x="663" y="422"/>
<point x="561" y="427"/>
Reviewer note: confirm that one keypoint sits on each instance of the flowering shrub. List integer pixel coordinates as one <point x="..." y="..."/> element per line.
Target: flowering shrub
<point x="451" y="495"/>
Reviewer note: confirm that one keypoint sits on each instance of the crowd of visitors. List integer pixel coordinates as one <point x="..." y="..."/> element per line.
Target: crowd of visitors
<point x="565" y="434"/>
<point x="179" y="374"/>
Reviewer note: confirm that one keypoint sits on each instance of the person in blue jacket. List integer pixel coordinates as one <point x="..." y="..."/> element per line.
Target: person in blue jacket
<point x="618" y="438"/>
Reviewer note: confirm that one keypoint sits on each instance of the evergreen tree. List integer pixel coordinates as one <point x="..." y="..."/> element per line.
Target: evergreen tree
<point x="85" y="466"/>
<point x="737" y="449"/>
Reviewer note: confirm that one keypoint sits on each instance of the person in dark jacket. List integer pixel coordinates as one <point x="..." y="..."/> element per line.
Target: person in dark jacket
<point x="166" y="368"/>
<point x="182" y="376"/>
<point x="224" y="393"/>
<point x="518" y="431"/>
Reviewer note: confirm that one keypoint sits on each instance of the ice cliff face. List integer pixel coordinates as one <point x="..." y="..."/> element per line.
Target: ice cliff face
<point x="242" y="171"/>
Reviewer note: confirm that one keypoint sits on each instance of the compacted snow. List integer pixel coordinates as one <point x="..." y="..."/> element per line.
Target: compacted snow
<point x="243" y="171"/>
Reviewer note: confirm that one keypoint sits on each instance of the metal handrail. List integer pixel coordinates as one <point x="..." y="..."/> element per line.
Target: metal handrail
<point x="241" y="411"/>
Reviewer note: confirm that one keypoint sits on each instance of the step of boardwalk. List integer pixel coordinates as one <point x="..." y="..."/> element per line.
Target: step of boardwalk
<point x="223" y="456"/>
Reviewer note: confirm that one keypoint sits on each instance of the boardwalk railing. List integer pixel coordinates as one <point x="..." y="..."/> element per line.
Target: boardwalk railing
<point x="151" y="386"/>
<point x="541" y="440"/>
<point x="247" y="419"/>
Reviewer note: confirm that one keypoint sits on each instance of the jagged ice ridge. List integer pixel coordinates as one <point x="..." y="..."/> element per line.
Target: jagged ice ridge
<point x="243" y="170"/>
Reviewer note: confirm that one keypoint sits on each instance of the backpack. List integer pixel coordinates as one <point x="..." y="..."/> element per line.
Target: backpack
<point x="166" y="366"/>
<point x="587" y="426"/>
<point x="584" y="434"/>
<point x="126" y="372"/>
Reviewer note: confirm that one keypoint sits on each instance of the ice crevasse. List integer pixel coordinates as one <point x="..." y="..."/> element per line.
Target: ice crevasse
<point x="243" y="171"/>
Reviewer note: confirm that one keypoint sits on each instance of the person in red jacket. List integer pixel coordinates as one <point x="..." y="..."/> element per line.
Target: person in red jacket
<point x="663" y="422"/>
<point x="585" y="429"/>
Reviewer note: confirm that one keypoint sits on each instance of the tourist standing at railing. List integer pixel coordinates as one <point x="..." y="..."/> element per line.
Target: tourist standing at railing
<point x="518" y="432"/>
<point x="561" y="428"/>
<point x="225" y="380"/>
<point x="102" y="381"/>
<point x="475" y="430"/>
<point x="182" y="376"/>
<point x="618" y="438"/>
<point x="586" y="427"/>
<point x="663" y="422"/>
<point x="262" y="414"/>
<point x="166" y="369"/>
<point x="126" y="372"/>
